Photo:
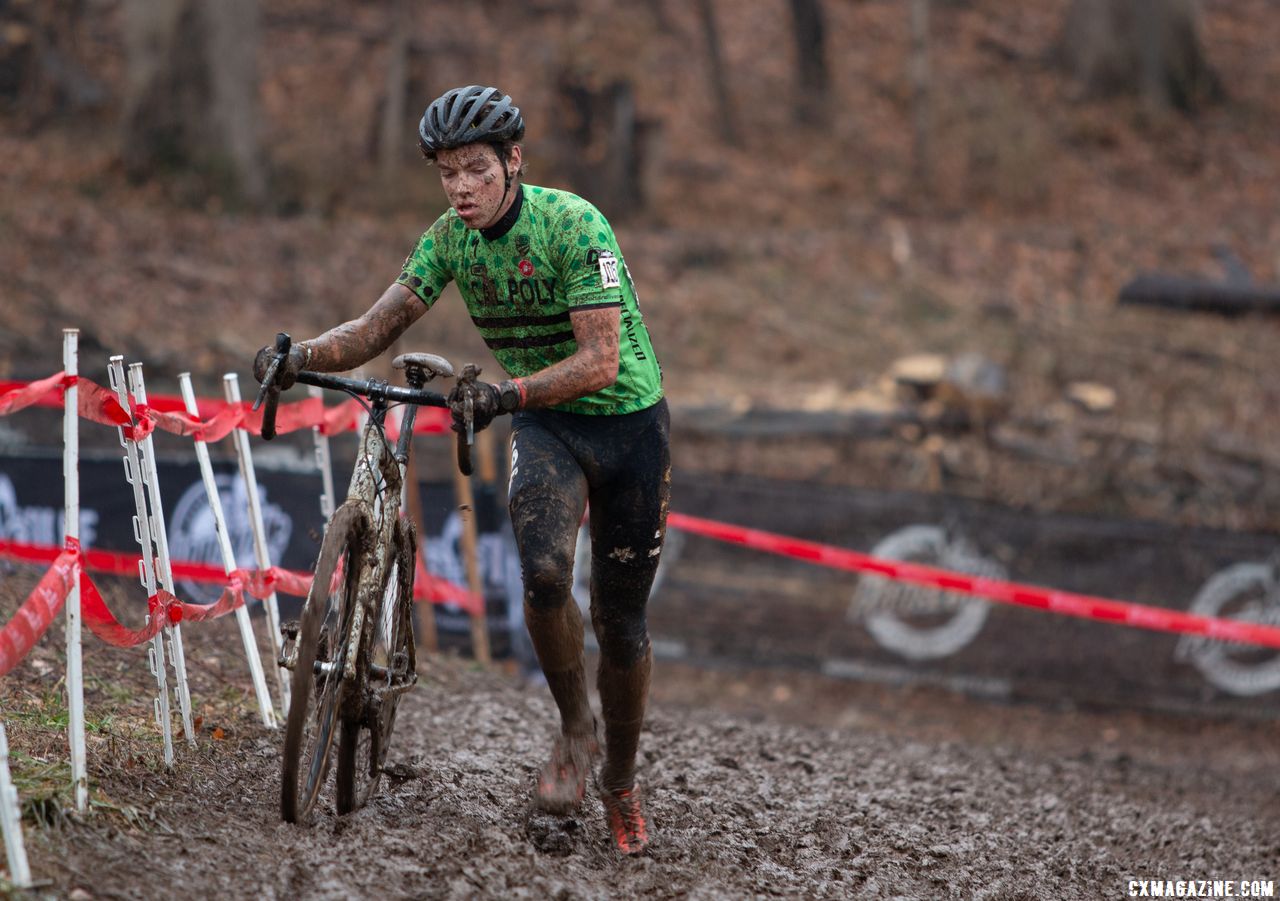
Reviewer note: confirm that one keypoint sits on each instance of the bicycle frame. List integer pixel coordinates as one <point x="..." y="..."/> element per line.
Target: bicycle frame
<point x="377" y="480"/>
<point x="377" y="474"/>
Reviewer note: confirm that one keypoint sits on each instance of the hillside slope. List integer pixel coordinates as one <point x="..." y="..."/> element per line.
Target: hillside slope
<point x="773" y="276"/>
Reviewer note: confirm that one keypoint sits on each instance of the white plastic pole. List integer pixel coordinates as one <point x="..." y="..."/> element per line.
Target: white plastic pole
<point x="164" y="571"/>
<point x="324" y="461"/>
<point x="146" y="566"/>
<point x="231" y="386"/>
<point x="229" y="560"/>
<point x="71" y="515"/>
<point x="11" y="821"/>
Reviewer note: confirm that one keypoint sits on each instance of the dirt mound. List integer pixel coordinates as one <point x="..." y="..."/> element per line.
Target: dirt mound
<point x="897" y="794"/>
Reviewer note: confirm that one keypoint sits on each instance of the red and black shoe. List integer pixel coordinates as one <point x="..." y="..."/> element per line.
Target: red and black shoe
<point x="563" y="780"/>
<point x="626" y="820"/>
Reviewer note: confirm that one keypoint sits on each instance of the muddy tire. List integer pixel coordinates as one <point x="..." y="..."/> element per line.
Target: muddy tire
<point x="388" y="642"/>
<point x="318" y="698"/>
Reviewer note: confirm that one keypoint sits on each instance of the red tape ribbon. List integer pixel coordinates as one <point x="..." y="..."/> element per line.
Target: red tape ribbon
<point x="33" y="618"/>
<point x="1123" y="613"/>
<point x="168" y="413"/>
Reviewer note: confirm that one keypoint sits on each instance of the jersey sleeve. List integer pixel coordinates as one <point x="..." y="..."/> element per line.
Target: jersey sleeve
<point x="426" y="270"/>
<point x="589" y="263"/>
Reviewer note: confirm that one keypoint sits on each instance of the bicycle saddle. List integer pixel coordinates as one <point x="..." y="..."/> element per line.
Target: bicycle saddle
<point x="432" y="364"/>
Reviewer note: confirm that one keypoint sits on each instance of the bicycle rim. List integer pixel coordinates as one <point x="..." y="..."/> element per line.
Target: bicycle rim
<point x="362" y="744"/>
<point x="318" y="698"/>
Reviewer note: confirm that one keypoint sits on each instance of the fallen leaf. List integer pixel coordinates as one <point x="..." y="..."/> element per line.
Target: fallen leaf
<point x="218" y="734"/>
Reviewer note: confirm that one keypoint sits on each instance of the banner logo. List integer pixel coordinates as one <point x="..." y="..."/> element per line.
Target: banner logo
<point x="194" y="536"/>
<point x="1245" y="591"/>
<point x="40" y="525"/>
<point x="922" y="623"/>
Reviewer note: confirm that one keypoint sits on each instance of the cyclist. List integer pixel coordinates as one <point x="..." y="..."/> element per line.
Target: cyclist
<point x="545" y="282"/>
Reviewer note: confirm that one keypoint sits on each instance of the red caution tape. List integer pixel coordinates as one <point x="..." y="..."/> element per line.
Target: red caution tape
<point x="99" y="619"/>
<point x="33" y="618"/>
<point x="435" y="590"/>
<point x="1123" y="613"/>
<point x="31" y="621"/>
<point x="232" y="598"/>
<point x="15" y="396"/>
<point x="168" y="413"/>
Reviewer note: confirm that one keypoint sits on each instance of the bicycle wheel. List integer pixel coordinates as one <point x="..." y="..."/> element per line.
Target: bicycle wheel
<point x="317" y="697"/>
<point x="389" y="659"/>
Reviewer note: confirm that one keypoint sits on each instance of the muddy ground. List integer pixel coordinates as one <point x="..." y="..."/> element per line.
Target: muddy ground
<point x="760" y="783"/>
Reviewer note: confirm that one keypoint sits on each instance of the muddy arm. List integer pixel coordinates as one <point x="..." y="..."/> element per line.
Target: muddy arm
<point x="356" y="342"/>
<point x="594" y="365"/>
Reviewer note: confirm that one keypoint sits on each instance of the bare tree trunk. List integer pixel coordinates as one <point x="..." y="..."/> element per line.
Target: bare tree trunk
<point x="191" y="92"/>
<point x="41" y="75"/>
<point x="725" y="118"/>
<point x="231" y="43"/>
<point x="391" y="141"/>
<point x="1151" y="49"/>
<point x="920" y="85"/>
<point x="608" y="148"/>
<point x="658" y="12"/>
<point x="813" y="78"/>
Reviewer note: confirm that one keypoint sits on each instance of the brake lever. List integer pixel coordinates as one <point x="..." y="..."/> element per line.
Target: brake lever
<point x="283" y="344"/>
<point x="269" y="391"/>
<point x="467" y="437"/>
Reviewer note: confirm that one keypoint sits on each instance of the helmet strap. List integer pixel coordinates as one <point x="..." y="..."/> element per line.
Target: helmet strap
<point x="501" y="152"/>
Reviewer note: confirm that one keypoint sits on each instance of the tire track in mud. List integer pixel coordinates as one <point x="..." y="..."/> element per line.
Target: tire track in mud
<point x="738" y="808"/>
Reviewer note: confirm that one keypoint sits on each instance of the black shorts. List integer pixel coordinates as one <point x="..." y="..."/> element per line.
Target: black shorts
<point x="621" y="467"/>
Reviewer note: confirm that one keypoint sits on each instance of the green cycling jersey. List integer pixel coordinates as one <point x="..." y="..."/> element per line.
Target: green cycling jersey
<point x="552" y="253"/>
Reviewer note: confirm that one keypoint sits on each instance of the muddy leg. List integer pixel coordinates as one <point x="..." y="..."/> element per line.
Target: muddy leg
<point x="548" y="495"/>
<point x="627" y="532"/>
<point x="623" y="695"/>
<point x="557" y="639"/>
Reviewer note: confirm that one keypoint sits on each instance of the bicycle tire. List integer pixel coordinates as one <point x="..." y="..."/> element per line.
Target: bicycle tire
<point x="318" y="699"/>
<point x="364" y="738"/>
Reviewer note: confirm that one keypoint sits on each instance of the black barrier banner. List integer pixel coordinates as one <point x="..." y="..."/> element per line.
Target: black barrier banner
<point x="31" y="510"/>
<point x="728" y="603"/>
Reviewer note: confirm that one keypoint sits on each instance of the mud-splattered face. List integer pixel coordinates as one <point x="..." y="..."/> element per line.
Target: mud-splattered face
<point x="474" y="182"/>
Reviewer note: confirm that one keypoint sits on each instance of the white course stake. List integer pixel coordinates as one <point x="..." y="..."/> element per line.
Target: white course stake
<point x="71" y="516"/>
<point x="324" y="461"/>
<point x="231" y="387"/>
<point x="229" y="560"/>
<point x="11" y="821"/>
<point x="146" y="566"/>
<point x="164" y="571"/>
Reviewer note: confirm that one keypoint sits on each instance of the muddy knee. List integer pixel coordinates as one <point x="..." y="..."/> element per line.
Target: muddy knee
<point x="548" y="580"/>
<point x="623" y="636"/>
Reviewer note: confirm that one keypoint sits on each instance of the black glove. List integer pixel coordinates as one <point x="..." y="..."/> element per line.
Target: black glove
<point x="287" y="374"/>
<point x="487" y="401"/>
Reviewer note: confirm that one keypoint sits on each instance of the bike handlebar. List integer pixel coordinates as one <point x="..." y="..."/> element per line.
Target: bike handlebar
<point x="374" y="389"/>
